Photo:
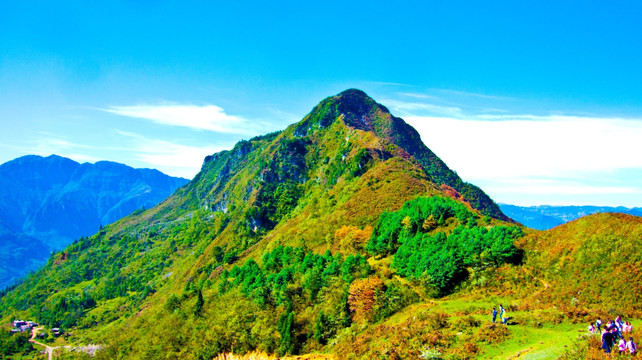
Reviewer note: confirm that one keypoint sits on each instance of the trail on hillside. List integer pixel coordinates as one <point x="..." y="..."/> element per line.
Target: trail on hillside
<point x="89" y="349"/>
<point x="48" y="349"/>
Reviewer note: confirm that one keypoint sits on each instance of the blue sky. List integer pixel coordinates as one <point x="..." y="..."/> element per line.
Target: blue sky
<point x="535" y="102"/>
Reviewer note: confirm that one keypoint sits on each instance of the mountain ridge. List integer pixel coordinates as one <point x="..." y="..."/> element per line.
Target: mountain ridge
<point x="51" y="201"/>
<point x="544" y="217"/>
<point x="323" y="237"/>
<point x="363" y="113"/>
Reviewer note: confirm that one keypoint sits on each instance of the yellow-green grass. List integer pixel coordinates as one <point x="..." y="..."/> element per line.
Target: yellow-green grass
<point x="531" y="343"/>
<point x="534" y="334"/>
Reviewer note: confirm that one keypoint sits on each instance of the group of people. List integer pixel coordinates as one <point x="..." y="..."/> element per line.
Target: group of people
<point x="502" y="314"/>
<point x="613" y="333"/>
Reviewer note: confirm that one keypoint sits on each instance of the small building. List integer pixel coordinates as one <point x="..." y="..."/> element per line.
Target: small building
<point x="21" y="325"/>
<point x="18" y="323"/>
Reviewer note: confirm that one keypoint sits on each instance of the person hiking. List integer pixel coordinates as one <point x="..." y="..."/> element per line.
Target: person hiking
<point x="502" y="313"/>
<point x="622" y="346"/>
<point x="615" y="335"/>
<point x="631" y="346"/>
<point x="619" y="324"/>
<point x="607" y="341"/>
<point x="598" y="324"/>
<point x="591" y="328"/>
<point x="494" y="314"/>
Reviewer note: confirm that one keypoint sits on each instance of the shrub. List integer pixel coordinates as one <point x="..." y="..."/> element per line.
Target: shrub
<point x="437" y="320"/>
<point x="470" y="321"/>
<point x="431" y="353"/>
<point x="493" y="334"/>
<point x="584" y="348"/>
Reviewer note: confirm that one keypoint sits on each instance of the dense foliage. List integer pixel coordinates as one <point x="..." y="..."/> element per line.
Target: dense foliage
<point x="287" y="265"/>
<point x="16" y="344"/>
<point x="422" y="250"/>
<point x="416" y="216"/>
<point x="291" y="277"/>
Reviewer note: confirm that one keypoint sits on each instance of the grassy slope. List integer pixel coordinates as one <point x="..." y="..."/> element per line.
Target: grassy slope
<point x="169" y="245"/>
<point x="531" y="341"/>
<point x="172" y="248"/>
<point x="538" y="295"/>
<point x="588" y="265"/>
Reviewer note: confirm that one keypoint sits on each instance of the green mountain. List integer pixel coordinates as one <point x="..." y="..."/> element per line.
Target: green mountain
<point x="342" y="236"/>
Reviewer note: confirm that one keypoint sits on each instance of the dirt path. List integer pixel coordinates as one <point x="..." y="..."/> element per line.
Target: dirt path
<point x="48" y="349"/>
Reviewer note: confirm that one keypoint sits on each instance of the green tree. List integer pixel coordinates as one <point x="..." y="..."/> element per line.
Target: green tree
<point x="285" y="327"/>
<point x="198" y="307"/>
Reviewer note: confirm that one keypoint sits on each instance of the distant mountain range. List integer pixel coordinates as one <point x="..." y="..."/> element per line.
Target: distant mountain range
<point x="544" y="217"/>
<point x="48" y="202"/>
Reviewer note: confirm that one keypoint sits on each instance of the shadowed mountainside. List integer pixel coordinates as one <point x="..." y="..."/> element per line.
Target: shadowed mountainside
<point x="47" y="202"/>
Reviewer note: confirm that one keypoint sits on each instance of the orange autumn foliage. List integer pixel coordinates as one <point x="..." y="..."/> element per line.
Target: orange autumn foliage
<point x="351" y="239"/>
<point x="363" y="297"/>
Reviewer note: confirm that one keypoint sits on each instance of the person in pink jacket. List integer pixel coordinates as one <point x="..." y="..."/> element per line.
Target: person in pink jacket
<point x="622" y="346"/>
<point x="631" y="346"/>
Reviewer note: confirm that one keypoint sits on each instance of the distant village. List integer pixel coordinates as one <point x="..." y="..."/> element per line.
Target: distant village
<point x="21" y="326"/>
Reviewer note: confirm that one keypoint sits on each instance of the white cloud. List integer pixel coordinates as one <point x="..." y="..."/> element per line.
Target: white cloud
<point x="471" y="94"/>
<point x="407" y="108"/>
<point x="557" y="146"/>
<point x="207" y="117"/>
<point x="553" y="156"/>
<point x="558" y="187"/>
<point x="50" y="144"/>
<point x="169" y="157"/>
<point x="418" y="95"/>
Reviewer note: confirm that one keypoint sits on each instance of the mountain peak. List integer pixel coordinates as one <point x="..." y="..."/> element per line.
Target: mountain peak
<point x="354" y="92"/>
<point x="354" y="100"/>
<point x="353" y="106"/>
<point x="357" y="110"/>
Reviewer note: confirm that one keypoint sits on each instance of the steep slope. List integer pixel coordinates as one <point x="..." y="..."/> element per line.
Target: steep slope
<point x="46" y="203"/>
<point x="267" y="241"/>
<point x="361" y="112"/>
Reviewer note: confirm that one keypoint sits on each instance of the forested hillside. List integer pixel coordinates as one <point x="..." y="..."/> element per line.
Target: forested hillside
<point x="342" y="236"/>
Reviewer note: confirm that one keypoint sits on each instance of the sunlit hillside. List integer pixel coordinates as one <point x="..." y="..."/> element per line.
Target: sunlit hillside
<point x="341" y="237"/>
